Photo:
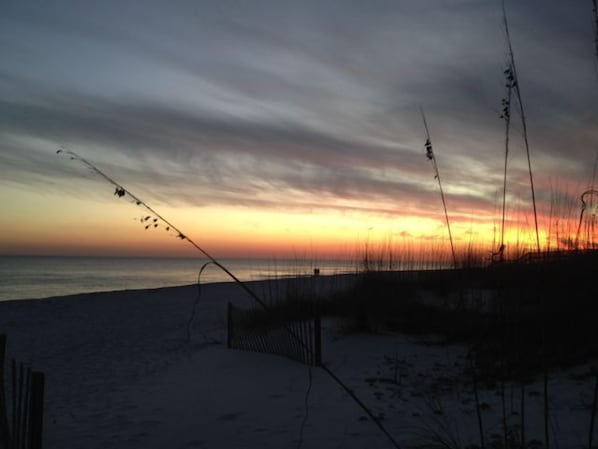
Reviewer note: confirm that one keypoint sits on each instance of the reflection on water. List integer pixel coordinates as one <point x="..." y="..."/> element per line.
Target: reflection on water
<point x="23" y="277"/>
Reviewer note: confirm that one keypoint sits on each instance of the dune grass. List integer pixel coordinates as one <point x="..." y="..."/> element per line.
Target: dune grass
<point x="500" y="308"/>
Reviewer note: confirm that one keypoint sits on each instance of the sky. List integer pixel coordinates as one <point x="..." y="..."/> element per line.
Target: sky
<point x="285" y="128"/>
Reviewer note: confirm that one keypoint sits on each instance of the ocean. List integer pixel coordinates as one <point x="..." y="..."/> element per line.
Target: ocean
<point x="29" y="277"/>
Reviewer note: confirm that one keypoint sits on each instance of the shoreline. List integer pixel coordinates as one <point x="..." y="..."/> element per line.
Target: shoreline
<point x="45" y="277"/>
<point x="274" y="280"/>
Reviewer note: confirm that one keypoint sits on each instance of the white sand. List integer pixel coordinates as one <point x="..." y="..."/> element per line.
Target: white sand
<point x="122" y="374"/>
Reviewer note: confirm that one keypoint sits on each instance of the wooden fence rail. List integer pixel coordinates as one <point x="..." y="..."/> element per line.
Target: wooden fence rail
<point x="21" y="393"/>
<point x="299" y="340"/>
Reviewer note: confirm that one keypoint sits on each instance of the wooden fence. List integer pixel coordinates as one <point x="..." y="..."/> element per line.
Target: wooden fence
<point x="299" y="340"/>
<point x="21" y="400"/>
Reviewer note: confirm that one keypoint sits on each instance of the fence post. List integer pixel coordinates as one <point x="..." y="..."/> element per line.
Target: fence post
<point x="318" y="340"/>
<point x="4" y="429"/>
<point x="17" y="389"/>
<point x="37" y="410"/>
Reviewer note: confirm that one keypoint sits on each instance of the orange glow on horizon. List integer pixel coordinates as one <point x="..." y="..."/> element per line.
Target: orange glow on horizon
<point x="38" y="224"/>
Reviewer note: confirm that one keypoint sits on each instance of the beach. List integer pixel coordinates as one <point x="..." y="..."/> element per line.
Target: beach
<point x="127" y="369"/>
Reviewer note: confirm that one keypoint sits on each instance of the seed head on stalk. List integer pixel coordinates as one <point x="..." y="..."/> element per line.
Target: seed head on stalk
<point x="431" y="157"/>
<point x="595" y="17"/>
<point x="510" y="84"/>
<point x="517" y="91"/>
<point x="155" y="220"/>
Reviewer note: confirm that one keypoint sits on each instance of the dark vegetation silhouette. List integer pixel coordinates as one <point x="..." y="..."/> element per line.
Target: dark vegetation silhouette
<point x="595" y="23"/>
<point x="513" y="80"/>
<point x="432" y="157"/>
<point x="589" y="225"/>
<point x="515" y="87"/>
<point x="506" y="115"/>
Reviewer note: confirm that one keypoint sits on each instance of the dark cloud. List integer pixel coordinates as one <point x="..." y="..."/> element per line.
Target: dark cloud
<point x="170" y="148"/>
<point x="296" y="104"/>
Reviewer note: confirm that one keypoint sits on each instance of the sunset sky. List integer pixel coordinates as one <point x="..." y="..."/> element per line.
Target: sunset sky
<point x="288" y="128"/>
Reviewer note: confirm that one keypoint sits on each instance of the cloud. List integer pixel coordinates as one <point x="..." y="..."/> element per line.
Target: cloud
<point x="298" y="105"/>
<point x="191" y="146"/>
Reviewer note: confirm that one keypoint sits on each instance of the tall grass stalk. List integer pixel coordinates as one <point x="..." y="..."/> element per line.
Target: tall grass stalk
<point x="477" y="405"/>
<point x="523" y="443"/>
<point x="503" y="400"/>
<point x="564" y="217"/>
<point x="431" y="156"/>
<point x="595" y="17"/>
<point x="517" y="90"/>
<point x="506" y="115"/>
<point x="593" y="414"/>
<point x="589" y="226"/>
<point x="155" y="219"/>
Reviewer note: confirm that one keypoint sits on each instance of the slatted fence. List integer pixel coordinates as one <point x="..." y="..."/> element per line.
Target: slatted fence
<point x="21" y="404"/>
<point x="300" y="340"/>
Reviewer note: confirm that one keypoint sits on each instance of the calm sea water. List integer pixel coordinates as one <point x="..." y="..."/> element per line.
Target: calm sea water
<point x="26" y="277"/>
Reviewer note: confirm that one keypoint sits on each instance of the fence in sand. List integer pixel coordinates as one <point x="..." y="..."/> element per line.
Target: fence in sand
<point x="299" y="340"/>
<point x="21" y="403"/>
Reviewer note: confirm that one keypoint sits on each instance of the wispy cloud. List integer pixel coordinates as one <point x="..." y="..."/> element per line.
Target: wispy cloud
<point x="297" y="105"/>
